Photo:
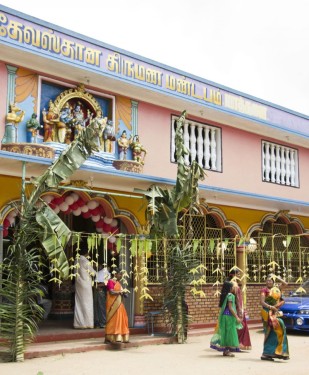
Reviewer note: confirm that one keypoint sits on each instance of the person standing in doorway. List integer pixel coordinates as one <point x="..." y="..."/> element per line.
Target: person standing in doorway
<point x="99" y="297"/>
<point x="83" y="310"/>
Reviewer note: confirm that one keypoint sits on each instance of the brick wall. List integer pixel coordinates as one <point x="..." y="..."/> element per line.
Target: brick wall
<point x="204" y="311"/>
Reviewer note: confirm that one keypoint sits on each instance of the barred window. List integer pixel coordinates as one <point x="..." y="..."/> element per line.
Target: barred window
<point x="203" y="141"/>
<point x="280" y="164"/>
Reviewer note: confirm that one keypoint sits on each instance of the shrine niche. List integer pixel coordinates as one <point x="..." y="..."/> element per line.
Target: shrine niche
<point x="69" y="113"/>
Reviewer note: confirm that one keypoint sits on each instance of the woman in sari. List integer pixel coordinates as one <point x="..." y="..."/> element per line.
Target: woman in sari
<point x="225" y="338"/>
<point x="117" y="326"/>
<point x="243" y="334"/>
<point x="275" y="338"/>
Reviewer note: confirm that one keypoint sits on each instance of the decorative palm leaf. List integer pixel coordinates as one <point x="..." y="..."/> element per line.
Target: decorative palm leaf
<point x="164" y="206"/>
<point x="19" y="310"/>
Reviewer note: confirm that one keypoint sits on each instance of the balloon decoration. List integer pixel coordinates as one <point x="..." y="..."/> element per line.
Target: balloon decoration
<point x="73" y="204"/>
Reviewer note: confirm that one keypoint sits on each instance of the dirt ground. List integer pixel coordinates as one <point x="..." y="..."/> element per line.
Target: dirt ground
<point x="190" y="358"/>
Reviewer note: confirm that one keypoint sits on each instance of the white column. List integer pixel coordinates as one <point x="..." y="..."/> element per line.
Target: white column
<point x="272" y="163"/>
<point x="293" y="164"/>
<point x="207" y="147"/>
<point x="288" y="166"/>
<point x="278" y="165"/>
<point x="186" y="141"/>
<point x="213" y="151"/>
<point x="283" y="170"/>
<point x="173" y="147"/>
<point x="200" y="150"/>
<point x="267" y="162"/>
<point x="192" y="142"/>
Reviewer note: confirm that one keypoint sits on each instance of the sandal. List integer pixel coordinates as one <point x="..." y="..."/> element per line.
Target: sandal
<point x="228" y="354"/>
<point x="263" y="358"/>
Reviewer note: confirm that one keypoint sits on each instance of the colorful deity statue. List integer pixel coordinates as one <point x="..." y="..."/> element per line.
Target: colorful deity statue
<point x="33" y="127"/>
<point x="109" y="136"/>
<point x="138" y="150"/>
<point x="13" y="118"/>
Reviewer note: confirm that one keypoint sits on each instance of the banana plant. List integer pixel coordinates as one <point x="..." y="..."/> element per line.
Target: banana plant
<point x="38" y="223"/>
<point x="163" y="209"/>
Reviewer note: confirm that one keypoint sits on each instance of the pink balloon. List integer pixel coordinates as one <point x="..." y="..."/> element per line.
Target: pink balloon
<point x="95" y="218"/>
<point x="56" y="210"/>
<point x="99" y="230"/>
<point x="11" y="220"/>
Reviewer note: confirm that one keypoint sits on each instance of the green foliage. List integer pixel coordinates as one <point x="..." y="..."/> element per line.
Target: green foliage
<point x="38" y="223"/>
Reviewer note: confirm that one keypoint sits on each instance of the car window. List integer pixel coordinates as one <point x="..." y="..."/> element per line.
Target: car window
<point x="303" y="290"/>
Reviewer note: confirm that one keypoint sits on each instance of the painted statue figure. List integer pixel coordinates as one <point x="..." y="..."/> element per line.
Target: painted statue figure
<point x="99" y="123"/>
<point x="109" y="136"/>
<point x="123" y="145"/>
<point x="50" y="119"/>
<point x="13" y="118"/>
<point x="33" y="126"/>
<point x="138" y="150"/>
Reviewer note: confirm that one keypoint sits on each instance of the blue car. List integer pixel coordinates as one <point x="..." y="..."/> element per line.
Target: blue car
<point x="296" y="309"/>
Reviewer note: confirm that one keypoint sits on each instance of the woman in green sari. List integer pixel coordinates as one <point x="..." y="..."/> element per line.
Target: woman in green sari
<point x="225" y="338"/>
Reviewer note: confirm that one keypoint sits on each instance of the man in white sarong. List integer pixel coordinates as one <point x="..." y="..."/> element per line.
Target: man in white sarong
<point x="83" y="311"/>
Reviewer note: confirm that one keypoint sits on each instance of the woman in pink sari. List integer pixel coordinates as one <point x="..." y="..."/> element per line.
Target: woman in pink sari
<point x="117" y="326"/>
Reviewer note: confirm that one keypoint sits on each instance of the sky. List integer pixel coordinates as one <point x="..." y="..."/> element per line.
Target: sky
<point x="258" y="47"/>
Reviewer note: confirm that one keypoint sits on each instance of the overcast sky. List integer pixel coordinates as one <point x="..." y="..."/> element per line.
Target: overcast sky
<point x="259" y="47"/>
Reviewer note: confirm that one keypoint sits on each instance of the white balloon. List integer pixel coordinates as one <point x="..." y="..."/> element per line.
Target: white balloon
<point x="84" y="208"/>
<point x="92" y="204"/>
<point x="114" y="223"/>
<point x="75" y="196"/>
<point x="95" y="218"/>
<point x="56" y="210"/>
<point x="100" y="230"/>
<point x="48" y="198"/>
<point x="12" y="214"/>
<point x="63" y="206"/>
<point x="77" y="212"/>
<point x="69" y="200"/>
<point x="112" y="239"/>
<point x="107" y="220"/>
<point x="11" y="220"/>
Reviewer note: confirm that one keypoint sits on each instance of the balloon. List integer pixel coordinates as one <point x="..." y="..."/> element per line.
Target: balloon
<point x="95" y="212"/>
<point x="58" y="200"/>
<point x="5" y="232"/>
<point x="77" y="212"/>
<point x="114" y="223"/>
<point x="63" y="206"/>
<point x="115" y="230"/>
<point x="67" y="211"/>
<point x="11" y="219"/>
<point x="74" y="206"/>
<point x="106" y="228"/>
<point x="112" y="239"/>
<point x="80" y="202"/>
<point x="85" y="208"/>
<point x="53" y="205"/>
<point x="75" y="196"/>
<point x="99" y="224"/>
<point x="92" y="204"/>
<point x="47" y="198"/>
<point x="6" y="223"/>
<point x="12" y="214"/>
<point x="86" y="215"/>
<point x="95" y="218"/>
<point x="69" y="200"/>
<point x="56" y="210"/>
<point x="99" y="230"/>
<point x="107" y="220"/>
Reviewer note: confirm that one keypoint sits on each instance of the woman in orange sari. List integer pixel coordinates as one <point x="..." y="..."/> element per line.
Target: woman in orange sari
<point x="117" y="326"/>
